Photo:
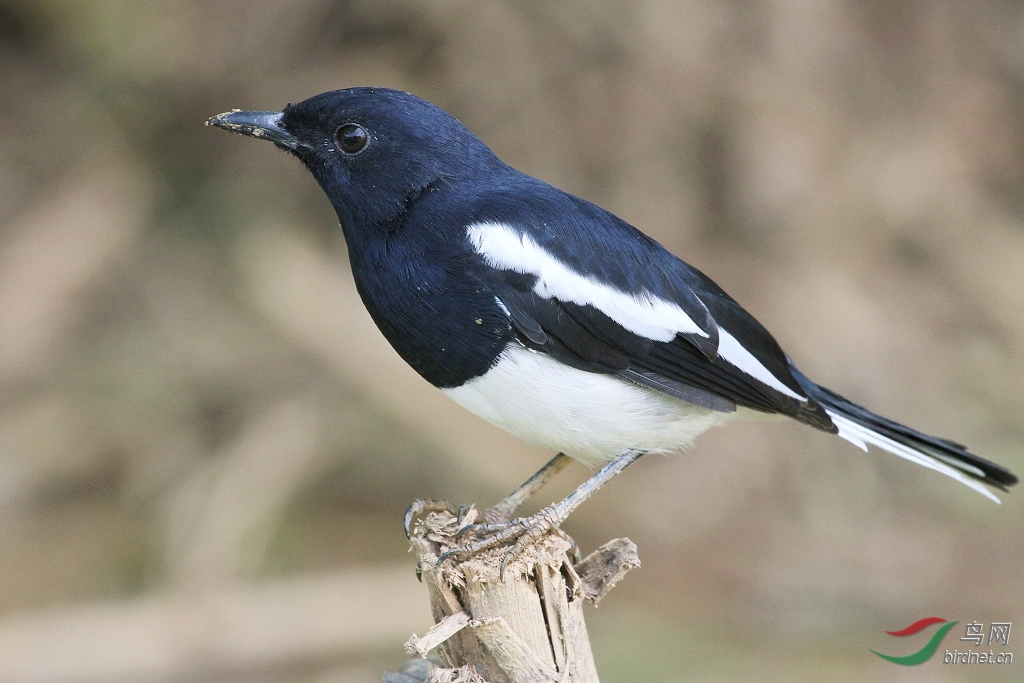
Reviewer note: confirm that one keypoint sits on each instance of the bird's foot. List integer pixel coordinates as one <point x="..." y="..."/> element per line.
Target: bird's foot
<point x="520" y="533"/>
<point x="464" y="515"/>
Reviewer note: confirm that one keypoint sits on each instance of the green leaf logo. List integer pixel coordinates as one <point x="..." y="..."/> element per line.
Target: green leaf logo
<point x="925" y="653"/>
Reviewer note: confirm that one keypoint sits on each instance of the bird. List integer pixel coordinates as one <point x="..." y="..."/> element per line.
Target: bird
<point x="546" y="315"/>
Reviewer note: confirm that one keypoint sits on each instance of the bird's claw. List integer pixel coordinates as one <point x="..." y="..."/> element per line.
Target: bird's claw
<point x="427" y="505"/>
<point x="521" y="533"/>
<point x="467" y="515"/>
<point x="484" y="528"/>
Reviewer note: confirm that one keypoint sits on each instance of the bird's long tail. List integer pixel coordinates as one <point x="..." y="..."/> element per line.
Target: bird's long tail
<point x="861" y="427"/>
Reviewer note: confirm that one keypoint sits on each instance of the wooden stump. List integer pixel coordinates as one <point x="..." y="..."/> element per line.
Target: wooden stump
<point x="524" y="627"/>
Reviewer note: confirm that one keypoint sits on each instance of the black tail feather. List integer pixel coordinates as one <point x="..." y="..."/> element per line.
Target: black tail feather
<point x="949" y="452"/>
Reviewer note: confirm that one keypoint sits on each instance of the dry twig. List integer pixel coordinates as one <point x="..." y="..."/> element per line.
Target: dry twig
<point x="524" y="627"/>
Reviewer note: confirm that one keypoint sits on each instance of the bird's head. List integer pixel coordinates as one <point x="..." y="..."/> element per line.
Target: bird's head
<point x="371" y="149"/>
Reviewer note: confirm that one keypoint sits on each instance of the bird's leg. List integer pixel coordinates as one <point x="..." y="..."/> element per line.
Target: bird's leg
<point x="503" y="510"/>
<point x="527" y="530"/>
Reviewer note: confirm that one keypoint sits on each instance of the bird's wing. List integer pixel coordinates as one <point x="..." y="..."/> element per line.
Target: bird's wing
<point x="642" y="314"/>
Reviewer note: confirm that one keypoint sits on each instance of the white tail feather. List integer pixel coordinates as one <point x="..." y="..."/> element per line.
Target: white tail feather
<point x="861" y="436"/>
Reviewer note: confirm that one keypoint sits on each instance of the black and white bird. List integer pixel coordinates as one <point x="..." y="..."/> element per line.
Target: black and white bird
<point x="545" y="314"/>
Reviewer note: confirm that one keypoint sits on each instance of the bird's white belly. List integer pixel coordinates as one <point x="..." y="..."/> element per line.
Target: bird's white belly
<point x="589" y="416"/>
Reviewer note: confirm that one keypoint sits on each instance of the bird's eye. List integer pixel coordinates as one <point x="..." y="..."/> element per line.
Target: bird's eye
<point x="351" y="138"/>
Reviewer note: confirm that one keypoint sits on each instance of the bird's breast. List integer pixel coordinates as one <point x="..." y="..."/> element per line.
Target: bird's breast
<point x="439" y="318"/>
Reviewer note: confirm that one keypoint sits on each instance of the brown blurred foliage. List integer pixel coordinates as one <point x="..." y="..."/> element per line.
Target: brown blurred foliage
<point x="193" y="400"/>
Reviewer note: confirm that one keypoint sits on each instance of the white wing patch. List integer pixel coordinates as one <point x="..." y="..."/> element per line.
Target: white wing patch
<point x="733" y="352"/>
<point x="861" y="436"/>
<point x="644" y="314"/>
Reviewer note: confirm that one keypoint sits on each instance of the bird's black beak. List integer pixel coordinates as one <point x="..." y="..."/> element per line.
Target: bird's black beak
<point x="265" y="125"/>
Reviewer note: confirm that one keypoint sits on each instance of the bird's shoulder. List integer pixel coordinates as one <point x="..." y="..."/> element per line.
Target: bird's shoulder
<point x="594" y="241"/>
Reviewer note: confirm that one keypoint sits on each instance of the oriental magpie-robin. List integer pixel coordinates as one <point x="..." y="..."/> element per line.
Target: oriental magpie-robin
<point x="545" y="314"/>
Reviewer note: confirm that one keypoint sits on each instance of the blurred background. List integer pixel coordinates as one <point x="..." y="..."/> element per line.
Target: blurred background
<point x="206" y="446"/>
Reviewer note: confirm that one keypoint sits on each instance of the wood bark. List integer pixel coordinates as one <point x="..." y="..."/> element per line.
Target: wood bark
<point x="523" y="626"/>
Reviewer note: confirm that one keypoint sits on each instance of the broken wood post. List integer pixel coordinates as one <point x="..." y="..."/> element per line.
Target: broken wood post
<point x="526" y="626"/>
